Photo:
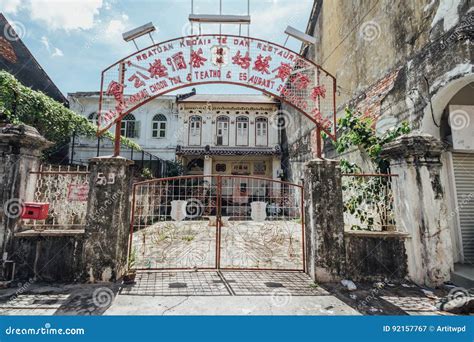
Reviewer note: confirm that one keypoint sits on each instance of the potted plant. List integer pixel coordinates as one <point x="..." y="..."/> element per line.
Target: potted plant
<point x="131" y="273"/>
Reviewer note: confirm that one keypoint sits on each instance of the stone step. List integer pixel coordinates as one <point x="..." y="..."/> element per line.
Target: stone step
<point x="463" y="276"/>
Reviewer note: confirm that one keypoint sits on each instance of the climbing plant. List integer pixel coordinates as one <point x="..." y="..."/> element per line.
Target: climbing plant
<point x="22" y="105"/>
<point x="357" y="131"/>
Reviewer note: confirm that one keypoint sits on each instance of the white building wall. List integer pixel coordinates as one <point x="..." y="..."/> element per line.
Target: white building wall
<point x="164" y="148"/>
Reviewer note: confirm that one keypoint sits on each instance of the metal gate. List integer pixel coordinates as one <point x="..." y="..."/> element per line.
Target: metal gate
<point x="217" y="222"/>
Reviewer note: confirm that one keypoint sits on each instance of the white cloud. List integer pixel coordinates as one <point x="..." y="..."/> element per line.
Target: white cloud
<point x="114" y="29"/>
<point x="65" y="14"/>
<point x="53" y="51"/>
<point x="57" y="53"/>
<point x="44" y="40"/>
<point x="10" y="6"/>
<point x="273" y="20"/>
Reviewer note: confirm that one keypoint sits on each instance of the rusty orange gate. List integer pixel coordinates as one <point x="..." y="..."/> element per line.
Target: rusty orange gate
<point x="217" y="222"/>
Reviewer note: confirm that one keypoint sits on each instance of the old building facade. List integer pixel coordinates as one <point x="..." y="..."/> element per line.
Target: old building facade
<point x="229" y="135"/>
<point x="410" y="61"/>
<point x="152" y="126"/>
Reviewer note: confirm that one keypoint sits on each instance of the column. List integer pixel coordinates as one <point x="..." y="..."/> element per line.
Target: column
<point x="108" y="218"/>
<point x="324" y="220"/>
<point x="420" y="207"/>
<point x="207" y="166"/>
<point x="20" y="149"/>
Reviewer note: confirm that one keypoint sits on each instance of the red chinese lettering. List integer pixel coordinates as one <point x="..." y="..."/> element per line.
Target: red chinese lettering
<point x="137" y="79"/>
<point x="242" y="61"/>
<point x="323" y="122"/>
<point x="283" y="71"/>
<point x="301" y="81"/>
<point x="318" y="91"/>
<point x="115" y="89"/>
<point x="157" y="69"/>
<point x="197" y="60"/>
<point x="262" y="64"/>
<point x="177" y="61"/>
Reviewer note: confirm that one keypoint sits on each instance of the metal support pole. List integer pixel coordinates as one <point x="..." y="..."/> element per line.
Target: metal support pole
<point x="98" y="146"/>
<point x="318" y="142"/>
<point x="118" y="124"/>
<point x="72" y="148"/>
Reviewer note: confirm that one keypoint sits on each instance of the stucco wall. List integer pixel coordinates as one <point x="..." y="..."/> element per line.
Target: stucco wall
<point x="380" y="53"/>
<point x="163" y="148"/>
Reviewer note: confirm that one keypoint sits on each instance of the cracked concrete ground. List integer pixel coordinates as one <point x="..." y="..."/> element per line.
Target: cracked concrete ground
<point x="218" y="293"/>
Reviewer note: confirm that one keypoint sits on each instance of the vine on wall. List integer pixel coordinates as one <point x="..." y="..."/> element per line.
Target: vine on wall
<point x="22" y="105"/>
<point x="373" y="193"/>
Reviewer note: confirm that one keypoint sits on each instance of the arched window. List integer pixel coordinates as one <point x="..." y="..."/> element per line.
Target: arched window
<point x="222" y="130"/>
<point x="261" y="131"/>
<point x="158" y="126"/>
<point x="195" y="125"/>
<point x="130" y="128"/>
<point x="242" y="131"/>
<point x="93" y="118"/>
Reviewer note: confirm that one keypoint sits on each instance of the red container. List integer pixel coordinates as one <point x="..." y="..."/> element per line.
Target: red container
<point x="35" y="211"/>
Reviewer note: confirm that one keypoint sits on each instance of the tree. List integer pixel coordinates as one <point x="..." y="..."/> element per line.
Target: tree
<point x="22" y="105"/>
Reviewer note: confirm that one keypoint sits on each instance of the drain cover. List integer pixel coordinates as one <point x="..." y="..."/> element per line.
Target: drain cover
<point x="272" y="284"/>
<point x="177" y="285"/>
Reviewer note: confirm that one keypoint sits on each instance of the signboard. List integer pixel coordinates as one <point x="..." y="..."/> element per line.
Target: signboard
<point x="194" y="60"/>
<point x="78" y="192"/>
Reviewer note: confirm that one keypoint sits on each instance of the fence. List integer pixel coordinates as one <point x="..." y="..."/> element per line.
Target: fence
<point x="65" y="188"/>
<point x="82" y="149"/>
<point x="369" y="201"/>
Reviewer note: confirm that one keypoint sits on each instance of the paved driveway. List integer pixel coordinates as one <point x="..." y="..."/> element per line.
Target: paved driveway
<point x="226" y="293"/>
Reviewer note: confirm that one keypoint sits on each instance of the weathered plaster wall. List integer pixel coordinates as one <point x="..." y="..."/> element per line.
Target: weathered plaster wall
<point x="375" y="256"/>
<point x="48" y="258"/>
<point x="380" y="53"/>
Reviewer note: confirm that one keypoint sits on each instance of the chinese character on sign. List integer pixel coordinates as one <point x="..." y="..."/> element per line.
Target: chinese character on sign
<point x="177" y="61"/>
<point x="243" y="61"/>
<point x="324" y="122"/>
<point x="318" y="91"/>
<point x="219" y="55"/>
<point x="157" y="69"/>
<point x="115" y="89"/>
<point x="137" y="79"/>
<point x="301" y="81"/>
<point x="284" y="70"/>
<point x="262" y="64"/>
<point x="197" y="60"/>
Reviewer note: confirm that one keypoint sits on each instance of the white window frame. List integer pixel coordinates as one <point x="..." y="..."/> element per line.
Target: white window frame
<point x="159" y="125"/>
<point x="261" y="131"/>
<point x="130" y="127"/>
<point x="195" y="130"/>
<point x="242" y="131"/>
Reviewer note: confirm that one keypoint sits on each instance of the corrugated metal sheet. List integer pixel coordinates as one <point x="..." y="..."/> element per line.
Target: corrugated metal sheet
<point x="464" y="178"/>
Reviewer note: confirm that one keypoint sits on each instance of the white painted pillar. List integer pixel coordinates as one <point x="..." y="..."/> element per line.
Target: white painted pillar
<point x="207" y="165"/>
<point x="276" y="166"/>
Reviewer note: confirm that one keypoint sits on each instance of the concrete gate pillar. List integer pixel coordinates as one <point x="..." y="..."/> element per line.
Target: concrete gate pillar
<point x="20" y="149"/>
<point x="420" y="206"/>
<point x="108" y="218"/>
<point x="324" y="220"/>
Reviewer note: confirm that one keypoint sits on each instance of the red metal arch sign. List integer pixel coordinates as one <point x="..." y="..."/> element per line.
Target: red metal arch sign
<point x="194" y="60"/>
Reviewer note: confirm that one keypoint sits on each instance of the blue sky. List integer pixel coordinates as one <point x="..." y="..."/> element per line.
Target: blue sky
<point x="74" y="40"/>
